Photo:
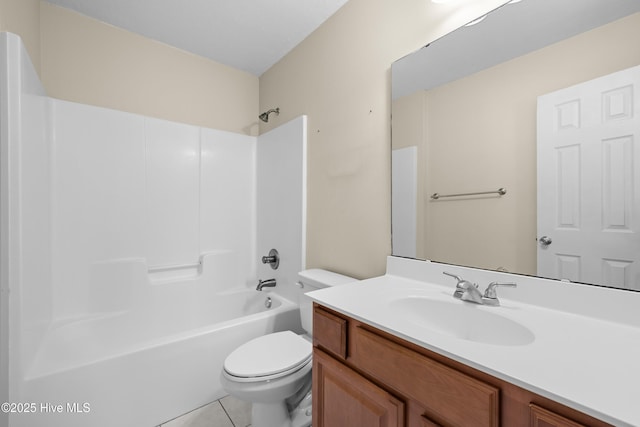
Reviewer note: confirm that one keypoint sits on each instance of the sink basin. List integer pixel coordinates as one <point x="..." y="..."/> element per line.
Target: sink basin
<point x="462" y="320"/>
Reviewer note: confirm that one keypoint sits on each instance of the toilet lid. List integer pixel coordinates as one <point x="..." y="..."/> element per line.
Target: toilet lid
<point x="268" y="355"/>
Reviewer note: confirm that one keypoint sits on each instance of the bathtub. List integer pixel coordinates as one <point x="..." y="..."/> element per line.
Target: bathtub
<point x="146" y="366"/>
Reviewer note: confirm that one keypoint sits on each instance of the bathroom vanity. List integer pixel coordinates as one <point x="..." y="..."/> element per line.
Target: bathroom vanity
<point x="507" y="111"/>
<point x="399" y="350"/>
<point x="384" y="379"/>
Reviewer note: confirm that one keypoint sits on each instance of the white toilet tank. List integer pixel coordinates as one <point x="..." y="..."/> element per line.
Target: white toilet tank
<point x="311" y="280"/>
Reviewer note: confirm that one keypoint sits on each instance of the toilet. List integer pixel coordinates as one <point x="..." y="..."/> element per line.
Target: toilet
<point x="273" y="371"/>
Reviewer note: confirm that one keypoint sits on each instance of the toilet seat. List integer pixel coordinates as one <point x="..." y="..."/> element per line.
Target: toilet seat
<point x="268" y="357"/>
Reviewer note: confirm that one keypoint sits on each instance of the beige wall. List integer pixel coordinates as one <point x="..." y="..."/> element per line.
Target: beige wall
<point x="83" y="60"/>
<point x="86" y="61"/>
<point x="22" y="17"/>
<point x="485" y="125"/>
<point x="340" y="77"/>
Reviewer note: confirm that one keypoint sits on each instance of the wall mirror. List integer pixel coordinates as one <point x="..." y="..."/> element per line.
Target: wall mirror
<point x="515" y="143"/>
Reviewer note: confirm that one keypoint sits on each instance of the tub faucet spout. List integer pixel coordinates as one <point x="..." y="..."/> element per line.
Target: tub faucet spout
<point x="269" y="283"/>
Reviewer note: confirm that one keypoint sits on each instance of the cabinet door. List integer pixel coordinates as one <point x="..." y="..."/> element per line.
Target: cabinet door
<point x="343" y="398"/>
<point x="426" y="422"/>
<point x="541" y="417"/>
<point x="448" y="396"/>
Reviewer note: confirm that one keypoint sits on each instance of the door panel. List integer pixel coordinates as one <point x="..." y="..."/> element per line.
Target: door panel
<point x="588" y="189"/>
<point x="540" y="417"/>
<point x="343" y="398"/>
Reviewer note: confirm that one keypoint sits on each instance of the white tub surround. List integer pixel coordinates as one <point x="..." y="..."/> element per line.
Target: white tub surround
<point x="281" y="193"/>
<point x="152" y="315"/>
<point x="586" y="340"/>
<point x="128" y="255"/>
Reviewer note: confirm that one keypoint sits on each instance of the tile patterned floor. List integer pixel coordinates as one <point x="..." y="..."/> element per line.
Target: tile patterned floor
<point x="226" y="412"/>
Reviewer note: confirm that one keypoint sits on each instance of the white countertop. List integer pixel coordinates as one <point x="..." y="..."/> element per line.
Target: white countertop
<point x="588" y="363"/>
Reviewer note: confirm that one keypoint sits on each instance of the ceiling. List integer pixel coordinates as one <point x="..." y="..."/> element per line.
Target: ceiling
<point x="249" y="35"/>
<point x="530" y="26"/>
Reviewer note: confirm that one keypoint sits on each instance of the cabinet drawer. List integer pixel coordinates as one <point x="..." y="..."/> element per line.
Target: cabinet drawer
<point x="449" y="396"/>
<point x="330" y="332"/>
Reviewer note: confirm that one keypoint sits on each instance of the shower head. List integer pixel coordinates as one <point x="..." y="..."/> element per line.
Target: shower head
<point x="265" y="116"/>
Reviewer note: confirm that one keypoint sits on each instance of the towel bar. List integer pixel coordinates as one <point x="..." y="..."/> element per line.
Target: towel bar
<point x="500" y="191"/>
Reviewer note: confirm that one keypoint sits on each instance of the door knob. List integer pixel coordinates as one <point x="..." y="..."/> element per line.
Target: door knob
<point x="545" y="241"/>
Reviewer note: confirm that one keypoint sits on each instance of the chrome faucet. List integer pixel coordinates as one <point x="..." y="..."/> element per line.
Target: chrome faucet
<point x="468" y="291"/>
<point x="490" y="296"/>
<point x="465" y="290"/>
<point x="273" y="259"/>
<point x="269" y="283"/>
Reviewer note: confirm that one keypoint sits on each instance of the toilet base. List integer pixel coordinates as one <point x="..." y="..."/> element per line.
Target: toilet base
<point x="270" y="415"/>
<point x="277" y="415"/>
<point x="301" y="417"/>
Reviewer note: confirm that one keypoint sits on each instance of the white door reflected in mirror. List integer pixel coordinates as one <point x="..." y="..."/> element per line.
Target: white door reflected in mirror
<point x="588" y="197"/>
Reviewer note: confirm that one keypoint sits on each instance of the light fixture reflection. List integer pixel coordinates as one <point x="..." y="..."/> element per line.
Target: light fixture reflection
<point x="476" y="21"/>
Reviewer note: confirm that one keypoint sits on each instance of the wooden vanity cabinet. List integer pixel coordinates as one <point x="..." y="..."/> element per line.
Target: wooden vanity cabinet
<point x="541" y="417"/>
<point x="365" y="377"/>
<point x="346" y="398"/>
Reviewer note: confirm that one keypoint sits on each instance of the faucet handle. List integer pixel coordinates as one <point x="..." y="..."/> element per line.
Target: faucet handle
<point x="464" y="287"/>
<point x="462" y="283"/>
<point x="490" y="292"/>
<point x="458" y="278"/>
<point x="273" y="259"/>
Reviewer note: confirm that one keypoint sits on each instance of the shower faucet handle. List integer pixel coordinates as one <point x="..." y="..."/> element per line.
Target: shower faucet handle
<point x="272" y="259"/>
